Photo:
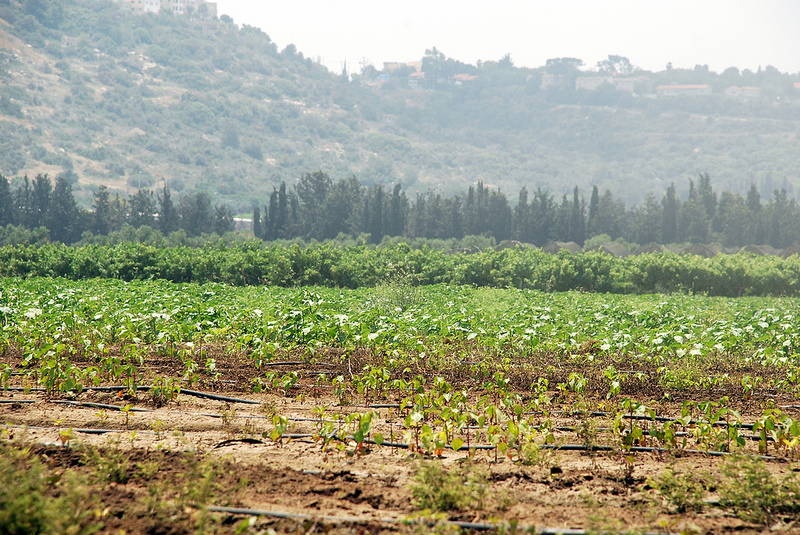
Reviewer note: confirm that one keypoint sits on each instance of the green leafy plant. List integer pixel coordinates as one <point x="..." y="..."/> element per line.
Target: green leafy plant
<point x="454" y="489"/>
<point x="750" y="489"/>
<point x="684" y="491"/>
<point x="36" y="500"/>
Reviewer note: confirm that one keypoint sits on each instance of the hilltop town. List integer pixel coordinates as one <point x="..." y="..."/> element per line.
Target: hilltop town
<point x="179" y="7"/>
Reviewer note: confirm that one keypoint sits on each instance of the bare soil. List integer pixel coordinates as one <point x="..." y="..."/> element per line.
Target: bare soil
<point x="170" y="451"/>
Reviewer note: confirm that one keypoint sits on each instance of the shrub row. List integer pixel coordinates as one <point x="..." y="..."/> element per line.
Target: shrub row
<point x="352" y="267"/>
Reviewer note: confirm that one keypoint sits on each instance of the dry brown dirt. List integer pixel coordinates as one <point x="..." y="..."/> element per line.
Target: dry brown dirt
<point x="567" y="490"/>
<point x="175" y="460"/>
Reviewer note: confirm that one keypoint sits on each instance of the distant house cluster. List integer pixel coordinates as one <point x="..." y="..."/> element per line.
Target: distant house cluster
<point x="641" y="85"/>
<point x="633" y="84"/>
<point x="179" y="7"/>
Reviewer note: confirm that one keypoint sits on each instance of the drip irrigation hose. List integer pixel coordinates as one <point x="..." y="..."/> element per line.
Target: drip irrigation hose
<point x="88" y="431"/>
<point x="464" y="447"/>
<point x="100" y="406"/>
<point x="145" y="388"/>
<point x="598" y="414"/>
<point x="297" y="363"/>
<point x="297" y="419"/>
<point x="474" y="526"/>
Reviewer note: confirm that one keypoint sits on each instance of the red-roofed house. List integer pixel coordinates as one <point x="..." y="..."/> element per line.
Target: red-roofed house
<point x="459" y="79"/>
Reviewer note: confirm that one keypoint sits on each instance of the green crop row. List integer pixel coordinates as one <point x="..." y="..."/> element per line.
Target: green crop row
<point x="42" y="317"/>
<point x="355" y="267"/>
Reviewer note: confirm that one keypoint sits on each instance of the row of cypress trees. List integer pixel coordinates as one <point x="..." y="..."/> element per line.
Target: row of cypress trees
<point x="42" y="202"/>
<point x="317" y="208"/>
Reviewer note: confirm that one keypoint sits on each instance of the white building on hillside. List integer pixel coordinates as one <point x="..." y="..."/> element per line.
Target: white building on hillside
<point x="743" y="92"/>
<point x="591" y="83"/>
<point x="138" y="7"/>
<point x="179" y="7"/>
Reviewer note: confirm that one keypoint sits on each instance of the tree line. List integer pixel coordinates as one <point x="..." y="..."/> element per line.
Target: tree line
<point x="42" y="203"/>
<point x="318" y="208"/>
<point x="330" y="264"/>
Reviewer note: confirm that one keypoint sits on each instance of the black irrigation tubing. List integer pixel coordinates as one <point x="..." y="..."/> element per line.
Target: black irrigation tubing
<point x="296" y="363"/>
<point x="101" y="406"/>
<point x="646" y="449"/>
<point x="644" y="432"/>
<point x="257" y="441"/>
<point x="86" y="430"/>
<point x="145" y="388"/>
<point x="296" y="419"/>
<point x="118" y="408"/>
<point x="596" y="414"/>
<point x="474" y="526"/>
<point x="399" y="445"/>
<point x="373" y="406"/>
<point x="379" y="406"/>
<point x="12" y="401"/>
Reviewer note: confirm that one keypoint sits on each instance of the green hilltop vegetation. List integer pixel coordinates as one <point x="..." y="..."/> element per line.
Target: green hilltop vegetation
<point x="104" y="97"/>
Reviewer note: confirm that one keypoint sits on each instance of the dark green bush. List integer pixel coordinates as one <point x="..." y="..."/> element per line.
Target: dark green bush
<point x="251" y="263"/>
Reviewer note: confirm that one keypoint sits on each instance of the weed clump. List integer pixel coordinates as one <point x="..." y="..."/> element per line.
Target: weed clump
<point x="456" y="489"/>
<point x="754" y="494"/>
<point x="685" y="492"/>
<point x="34" y="499"/>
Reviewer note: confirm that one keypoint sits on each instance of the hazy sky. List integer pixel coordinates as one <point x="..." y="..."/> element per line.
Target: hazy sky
<point x="720" y="33"/>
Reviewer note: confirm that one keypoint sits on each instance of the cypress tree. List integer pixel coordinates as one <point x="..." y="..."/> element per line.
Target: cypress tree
<point x="167" y="214"/>
<point x="101" y="219"/>
<point x="669" y="219"/>
<point x="257" y="222"/>
<point x="61" y="218"/>
<point x="522" y="217"/>
<point x="271" y="216"/>
<point x="376" y="215"/>
<point x="594" y="206"/>
<point x="42" y="189"/>
<point x="577" y="223"/>
<point x="23" y="199"/>
<point x="398" y="207"/>
<point x="7" y="208"/>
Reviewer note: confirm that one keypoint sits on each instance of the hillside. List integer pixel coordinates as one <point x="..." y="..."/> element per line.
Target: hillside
<point x="208" y="105"/>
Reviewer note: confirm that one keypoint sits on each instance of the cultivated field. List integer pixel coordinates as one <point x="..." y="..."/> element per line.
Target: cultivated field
<point x="151" y="407"/>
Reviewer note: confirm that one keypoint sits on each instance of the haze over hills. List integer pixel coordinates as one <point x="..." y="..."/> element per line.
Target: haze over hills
<point x="208" y="105"/>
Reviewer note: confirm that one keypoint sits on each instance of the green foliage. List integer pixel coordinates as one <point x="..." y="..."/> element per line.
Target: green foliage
<point x="755" y="494"/>
<point x="399" y="270"/>
<point x="456" y="488"/>
<point x="232" y="78"/>
<point x="684" y="491"/>
<point x="35" y="500"/>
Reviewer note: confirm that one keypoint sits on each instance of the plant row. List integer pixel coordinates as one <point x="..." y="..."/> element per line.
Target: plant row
<point x="354" y="267"/>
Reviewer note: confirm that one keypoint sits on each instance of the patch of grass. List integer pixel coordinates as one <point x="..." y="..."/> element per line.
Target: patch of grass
<point x="454" y="489"/>
<point x="36" y="499"/>
<point x="755" y="494"/>
<point x="684" y="491"/>
<point x="110" y="465"/>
